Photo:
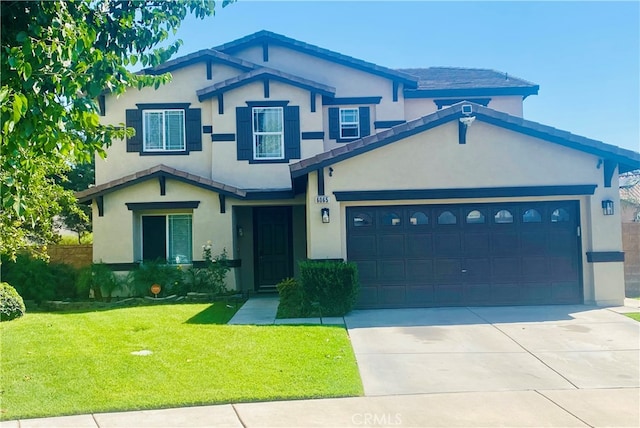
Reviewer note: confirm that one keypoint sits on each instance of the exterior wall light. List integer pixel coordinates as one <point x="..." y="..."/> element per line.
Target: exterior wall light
<point x="607" y="207"/>
<point x="325" y="215"/>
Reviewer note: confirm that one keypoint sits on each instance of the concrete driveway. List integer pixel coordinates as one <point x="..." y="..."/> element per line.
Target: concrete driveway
<point x="542" y="348"/>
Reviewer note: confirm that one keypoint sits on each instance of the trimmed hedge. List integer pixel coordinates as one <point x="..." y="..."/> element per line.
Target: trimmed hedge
<point x="333" y="286"/>
<point x="292" y="302"/>
<point x="11" y="304"/>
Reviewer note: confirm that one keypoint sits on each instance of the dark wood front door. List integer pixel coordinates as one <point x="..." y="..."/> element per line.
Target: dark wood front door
<point x="273" y="246"/>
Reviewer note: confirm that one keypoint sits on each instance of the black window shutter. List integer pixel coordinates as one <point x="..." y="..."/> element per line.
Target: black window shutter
<point x="334" y="123"/>
<point x="244" y="134"/>
<point x="365" y="122"/>
<point x="134" y="120"/>
<point x="194" y="129"/>
<point x="292" y="132"/>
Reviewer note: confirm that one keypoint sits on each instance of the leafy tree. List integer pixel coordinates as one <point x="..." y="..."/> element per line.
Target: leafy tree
<point x="57" y="59"/>
<point x="73" y="216"/>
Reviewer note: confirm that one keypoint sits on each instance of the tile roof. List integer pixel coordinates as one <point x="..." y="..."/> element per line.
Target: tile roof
<point x="278" y="39"/>
<point x="627" y="159"/>
<point x="262" y="73"/>
<point x="630" y="187"/>
<point x="158" y="171"/>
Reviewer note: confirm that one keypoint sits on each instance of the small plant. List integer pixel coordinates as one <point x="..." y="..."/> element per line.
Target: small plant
<point x="292" y="302"/>
<point x="168" y="277"/>
<point x="100" y="279"/>
<point x="211" y="277"/>
<point x="11" y="304"/>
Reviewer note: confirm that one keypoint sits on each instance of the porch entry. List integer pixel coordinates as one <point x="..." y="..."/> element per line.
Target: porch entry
<point x="273" y="247"/>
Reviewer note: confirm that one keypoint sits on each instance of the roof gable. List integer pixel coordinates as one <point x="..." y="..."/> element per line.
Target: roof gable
<point x="261" y="74"/>
<point x="626" y="159"/>
<point x="201" y="56"/>
<point x="262" y="38"/>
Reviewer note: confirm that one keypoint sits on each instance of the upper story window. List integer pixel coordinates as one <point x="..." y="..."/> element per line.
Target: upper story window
<point x="268" y="133"/>
<point x="163" y="130"/>
<point x="349" y="123"/>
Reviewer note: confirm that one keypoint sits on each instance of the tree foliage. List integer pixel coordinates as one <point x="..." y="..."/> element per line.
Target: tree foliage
<point x="57" y="59"/>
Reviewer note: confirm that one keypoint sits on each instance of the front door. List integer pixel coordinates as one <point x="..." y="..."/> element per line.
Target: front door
<point x="273" y="246"/>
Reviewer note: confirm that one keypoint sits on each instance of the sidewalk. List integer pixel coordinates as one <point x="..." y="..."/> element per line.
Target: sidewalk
<point x="261" y="310"/>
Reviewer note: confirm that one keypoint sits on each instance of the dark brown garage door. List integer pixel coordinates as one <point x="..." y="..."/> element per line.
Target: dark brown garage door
<point x="466" y="255"/>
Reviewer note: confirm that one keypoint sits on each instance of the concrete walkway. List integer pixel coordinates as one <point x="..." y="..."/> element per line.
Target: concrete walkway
<point x="547" y="405"/>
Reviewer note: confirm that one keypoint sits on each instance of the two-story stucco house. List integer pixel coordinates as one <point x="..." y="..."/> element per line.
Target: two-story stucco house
<point x="429" y="179"/>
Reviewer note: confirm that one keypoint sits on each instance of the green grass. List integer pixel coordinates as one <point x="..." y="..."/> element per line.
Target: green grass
<point x="73" y="363"/>
<point x="634" y="315"/>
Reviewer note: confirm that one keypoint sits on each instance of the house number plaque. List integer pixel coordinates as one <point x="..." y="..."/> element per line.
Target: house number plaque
<point x="322" y="199"/>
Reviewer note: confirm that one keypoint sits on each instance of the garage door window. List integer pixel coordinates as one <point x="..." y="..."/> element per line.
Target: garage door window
<point x="418" y="218"/>
<point x="503" y="217"/>
<point x="531" y="216"/>
<point x="362" y="220"/>
<point x="560" y="215"/>
<point x="391" y="219"/>
<point x="475" y="217"/>
<point x="447" y="217"/>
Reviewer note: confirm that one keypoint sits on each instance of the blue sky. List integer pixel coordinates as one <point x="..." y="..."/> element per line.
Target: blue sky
<point x="584" y="55"/>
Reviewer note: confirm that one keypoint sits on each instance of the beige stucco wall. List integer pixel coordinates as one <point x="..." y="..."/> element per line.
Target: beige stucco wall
<point x="415" y="108"/>
<point x="492" y="157"/>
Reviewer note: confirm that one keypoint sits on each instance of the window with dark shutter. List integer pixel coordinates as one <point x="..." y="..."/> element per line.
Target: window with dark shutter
<point x="134" y="120"/>
<point x="244" y="133"/>
<point x="292" y="132"/>
<point x="194" y="129"/>
<point x="365" y="125"/>
<point x="334" y="123"/>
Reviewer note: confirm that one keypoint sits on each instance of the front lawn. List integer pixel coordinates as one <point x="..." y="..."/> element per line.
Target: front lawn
<point x="634" y="315"/>
<point x="73" y="363"/>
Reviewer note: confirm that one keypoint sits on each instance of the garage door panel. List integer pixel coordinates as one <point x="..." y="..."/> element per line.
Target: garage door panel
<point x="563" y="267"/>
<point x="533" y="242"/>
<point x="393" y="295"/>
<point x="391" y="270"/>
<point x="446" y="244"/>
<point x="368" y="297"/>
<point x="421" y="295"/>
<point x="362" y="246"/>
<point x="504" y="243"/>
<point x="451" y="294"/>
<point x="477" y="294"/>
<point x="391" y="245"/>
<point x="565" y="292"/>
<point x="505" y="268"/>
<point x="476" y="243"/>
<point x="535" y="267"/>
<point x="420" y="271"/>
<point x="419" y="245"/>
<point x="537" y="292"/>
<point x="477" y="270"/>
<point x="448" y="270"/>
<point x="508" y="293"/>
<point x="367" y="270"/>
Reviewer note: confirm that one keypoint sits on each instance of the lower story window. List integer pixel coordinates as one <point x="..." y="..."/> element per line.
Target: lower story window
<point x="167" y="237"/>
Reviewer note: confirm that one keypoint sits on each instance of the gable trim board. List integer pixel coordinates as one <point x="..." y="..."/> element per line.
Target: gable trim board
<point x="263" y="74"/>
<point x="471" y="193"/>
<point x="262" y="38"/>
<point x="210" y="56"/>
<point x="626" y="159"/>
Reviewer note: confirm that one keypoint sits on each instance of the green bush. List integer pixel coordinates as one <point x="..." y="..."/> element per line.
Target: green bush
<point x="292" y="302"/>
<point x="333" y="285"/>
<point x="11" y="304"/>
<point x="37" y="280"/>
<point x="99" y="278"/>
<point x="211" y="277"/>
<point x="168" y="277"/>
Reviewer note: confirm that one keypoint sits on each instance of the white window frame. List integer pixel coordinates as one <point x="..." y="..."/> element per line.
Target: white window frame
<point x="341" y="124"/>
<point x="167" y="237"/>
<point x="255" y="134"/>
<point x="163" y="133"/>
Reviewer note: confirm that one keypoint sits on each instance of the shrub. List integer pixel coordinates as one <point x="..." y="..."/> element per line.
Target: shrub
<point x="99" y="278"/>
<point x="211" y="277"/>
<point x="334" y="285"/>
<point x="32" y="278"/>
<point x="11" y="304"/>
<point x="292" y="302"/>
<point x="168" y="277"/>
